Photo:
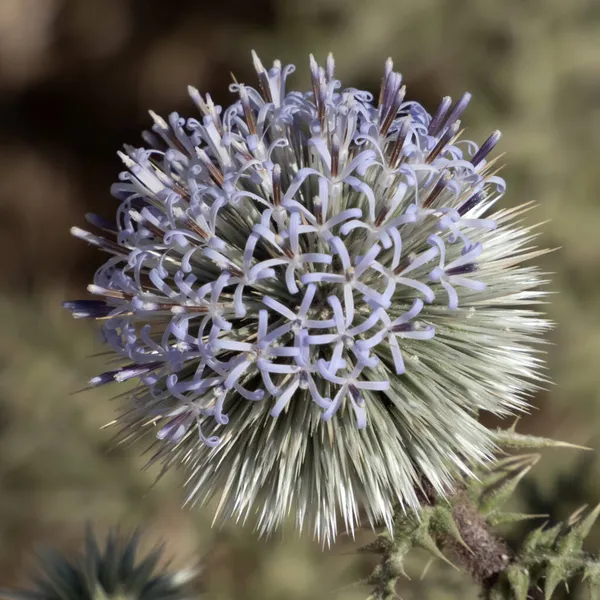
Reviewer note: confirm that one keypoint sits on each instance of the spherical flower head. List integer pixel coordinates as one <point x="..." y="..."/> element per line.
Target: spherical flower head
<point x="315" y="307"/>
<point x="112" y="571"/>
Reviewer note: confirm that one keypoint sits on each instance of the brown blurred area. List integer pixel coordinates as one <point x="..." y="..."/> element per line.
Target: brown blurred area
<point x="76" y="80"/>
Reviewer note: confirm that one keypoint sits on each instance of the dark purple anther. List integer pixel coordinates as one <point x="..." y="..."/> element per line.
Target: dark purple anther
<point x="356" y="395"/>
<point x="88" y="309"/>
<point x="439" y="116"/>
<point x="463" y="269"/>
<point x="335" y="155"/>
<point x="472" y="202"/>
<point x="438" y="188"/>
<point x="457" y="110"/>
<point x="276" y="185"/>
<point x="101" y="223"/>
<point x="486" y="148"/>
<point x="175" y="429"/>
<point x="391" y="102"/>
<point x="399" y="143"/>
<point x="442" y="142"/>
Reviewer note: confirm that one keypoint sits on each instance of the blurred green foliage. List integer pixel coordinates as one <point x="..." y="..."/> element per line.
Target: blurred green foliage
<point x="76" y="79"/>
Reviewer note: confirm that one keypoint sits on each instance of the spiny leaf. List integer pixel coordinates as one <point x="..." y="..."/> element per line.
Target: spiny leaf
<point x="555" y="573"/>
<point x="571" y="543"/>
<point x="591" y="574"/>
<point x="518" y="577"/>
<point x="497" y="494"/>
<point x="425" y="541"/>
<point x="442" y="522"/>
<point x="499" y="518"/>
<point x="511" y="439"/>
<point x="532" y="540"/>
<point x="490" y="476"/>
<point x="583" y="527"/>
<point x="108" y="573"/>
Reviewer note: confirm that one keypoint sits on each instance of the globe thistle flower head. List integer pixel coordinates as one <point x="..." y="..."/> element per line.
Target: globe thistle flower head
<point x="111" y="572"/>
<point x="316" y="308"/>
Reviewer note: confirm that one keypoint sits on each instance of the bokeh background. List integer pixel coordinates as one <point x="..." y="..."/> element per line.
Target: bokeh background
<point x="76" y="80"/>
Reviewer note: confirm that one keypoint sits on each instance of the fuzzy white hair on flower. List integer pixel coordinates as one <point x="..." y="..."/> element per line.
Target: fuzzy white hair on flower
<point x="312" y="302"/>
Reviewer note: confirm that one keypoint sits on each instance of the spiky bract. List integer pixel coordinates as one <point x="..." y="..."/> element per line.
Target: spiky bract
<point x="313" y="304"/>
<point x="111" y="572"/>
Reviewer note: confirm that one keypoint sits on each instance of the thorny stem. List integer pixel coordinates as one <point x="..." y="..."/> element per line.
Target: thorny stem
<point x="487" y="554"/>
<point x="484" y="554"/>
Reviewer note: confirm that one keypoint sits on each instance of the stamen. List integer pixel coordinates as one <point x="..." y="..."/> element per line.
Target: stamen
<point x="442" y="142"/>
<point x="458" y="110"/>
<point x="247" y="110"/>
<point x="463" y="269"/>
<point x="438" y="188"/>
<point x="277" y="185"/>
<point x="399" y="143"/>
<point x="389" y="67"/>
<point x="392" y="111"/>
<point x="263" y="78"/>
<point x="335" y="155"/>
<point x="472" y="202"/>
<point x="215" y="174"/>
<point x="486" y="148"/>
<point x="440" y="115"/>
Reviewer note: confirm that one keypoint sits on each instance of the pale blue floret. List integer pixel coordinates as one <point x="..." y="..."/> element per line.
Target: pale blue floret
<point x="276" y="236"/>
<point x="314" y="305"/>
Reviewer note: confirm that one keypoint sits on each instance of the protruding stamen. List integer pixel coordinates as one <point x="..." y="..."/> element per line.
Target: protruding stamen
<point x="263" y="77"/>
<point x="439" y="116"/>
<point x="463" y="269"/>
<point x="438" y="188"/>
<point x="486" y="148"/>
<point x="472" y="202"/>
<point x="99" y="242"/>
<point x="392" y="110"/>
<point x="277" y="185"/>
<point x="335" y="155"/>
<point x="100" y="291"/>
<point x="247" y="110"/>
<point x="214" y="172"/>
<point x="165" y="129"/>
<point x="330" y="70"/>
<point x="88" y="309"/>
<point x="458" y="110"/>
<point x="315" y="79"/>
<point x="399" y="143"/>
<point x="443" y="142"/>
<point x="389" y="66"/>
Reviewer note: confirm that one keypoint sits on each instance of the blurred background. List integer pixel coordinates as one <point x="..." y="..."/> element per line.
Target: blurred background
<point x="76" y="80"/>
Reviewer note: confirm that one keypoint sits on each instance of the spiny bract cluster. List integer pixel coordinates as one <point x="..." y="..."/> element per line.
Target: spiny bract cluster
<point x="112" y="572"/>
<point x="314" y="307"/>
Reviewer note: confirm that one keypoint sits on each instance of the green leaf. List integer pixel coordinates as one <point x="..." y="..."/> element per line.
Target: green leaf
<point x="518" y="577"/>
<point x="442" y="522"/>
<point x="511" y="439"/>
<point x="499" y="518"/>
<point x="508" y="476"/>
<point x="555" y="573"/>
